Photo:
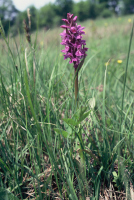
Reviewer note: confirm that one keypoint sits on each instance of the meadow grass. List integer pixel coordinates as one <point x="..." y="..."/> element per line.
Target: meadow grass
<point x="49" y="147"/>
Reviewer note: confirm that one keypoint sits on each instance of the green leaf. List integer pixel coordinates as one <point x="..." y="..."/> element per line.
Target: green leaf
<point x="80" y="116"/>
<point x="70" y="121"/>
<point x="60" y="131"/>
<point x="80" y="112"/>
<point x="115" y="174"/>
<point x="84" y="116"/>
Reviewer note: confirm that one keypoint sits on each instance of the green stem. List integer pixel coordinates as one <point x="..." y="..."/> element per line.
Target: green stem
<point x="76" y="85"/>
<point x="76" y="70"/>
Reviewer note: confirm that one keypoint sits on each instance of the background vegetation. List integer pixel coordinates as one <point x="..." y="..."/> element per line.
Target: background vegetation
<point x="50" y="15"/>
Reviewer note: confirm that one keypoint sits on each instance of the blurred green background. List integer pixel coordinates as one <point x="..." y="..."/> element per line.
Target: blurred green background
<point x="50" y="15"/>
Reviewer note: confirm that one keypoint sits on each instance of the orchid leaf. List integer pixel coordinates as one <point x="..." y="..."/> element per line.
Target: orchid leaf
<point x="60" y="131"/>
<point x="70" y="122"/>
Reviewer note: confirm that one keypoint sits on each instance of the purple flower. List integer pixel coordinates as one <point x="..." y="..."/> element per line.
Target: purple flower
<point x="72" y="39"/>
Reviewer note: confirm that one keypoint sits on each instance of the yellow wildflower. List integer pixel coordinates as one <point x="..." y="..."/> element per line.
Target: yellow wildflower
<point x="41" y="43"/>
<point x="107" y="63"/>
<point x="106" y="24"/>
<point x="129" y="20"/>
<point x="119" y="61"/>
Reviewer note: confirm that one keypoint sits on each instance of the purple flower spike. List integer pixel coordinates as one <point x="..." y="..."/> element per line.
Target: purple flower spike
<point x="75" y="18"/>
<point x="72" y="39"/>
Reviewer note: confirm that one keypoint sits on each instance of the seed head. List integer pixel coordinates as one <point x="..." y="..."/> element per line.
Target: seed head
<point x="27" y="32"/>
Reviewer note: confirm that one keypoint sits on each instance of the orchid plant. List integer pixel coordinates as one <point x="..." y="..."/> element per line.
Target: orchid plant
<point x="74" y="46"/>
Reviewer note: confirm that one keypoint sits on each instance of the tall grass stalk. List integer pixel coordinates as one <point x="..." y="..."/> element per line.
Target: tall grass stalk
<point x="123" y="95"/>
<point x="125" y="77"/>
